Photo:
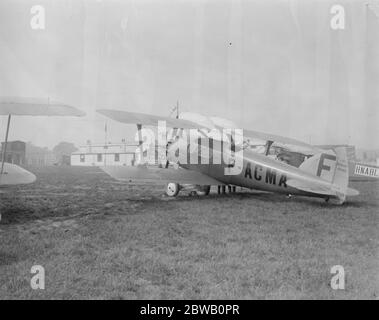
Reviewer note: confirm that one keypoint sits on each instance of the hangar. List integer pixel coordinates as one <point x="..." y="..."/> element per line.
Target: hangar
<point x="122" y="154"/>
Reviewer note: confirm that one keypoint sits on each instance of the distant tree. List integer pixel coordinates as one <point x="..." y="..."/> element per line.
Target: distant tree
<point x="30" y="148"/>
<point x="64" y="149"/>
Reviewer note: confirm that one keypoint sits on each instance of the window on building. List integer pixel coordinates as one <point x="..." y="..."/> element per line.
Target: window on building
<point x="99" y="157"/>
<point x="82" y="158"/>
<point x="116" y="157"/>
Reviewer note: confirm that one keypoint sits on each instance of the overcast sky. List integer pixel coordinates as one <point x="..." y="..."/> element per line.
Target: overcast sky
<point x="272" y="66"/>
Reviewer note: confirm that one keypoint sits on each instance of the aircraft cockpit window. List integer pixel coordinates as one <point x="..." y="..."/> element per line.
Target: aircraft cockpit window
<point x="257" y="148"/>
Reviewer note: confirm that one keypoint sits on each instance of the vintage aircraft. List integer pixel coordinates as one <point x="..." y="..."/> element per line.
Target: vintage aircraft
<point x="323" y="173"/>
<point x="11" y="174"/>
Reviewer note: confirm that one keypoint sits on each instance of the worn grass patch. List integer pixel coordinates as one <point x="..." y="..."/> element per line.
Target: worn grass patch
<point x="100" y="239"/>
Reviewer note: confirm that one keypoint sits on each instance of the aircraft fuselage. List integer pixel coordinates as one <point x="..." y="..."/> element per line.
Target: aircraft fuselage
<point x="257" y="171"/>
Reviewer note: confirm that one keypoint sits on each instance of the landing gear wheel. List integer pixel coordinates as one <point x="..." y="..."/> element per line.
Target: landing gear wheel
<point x="203" y="190"/>
<point x="172" y="189"/>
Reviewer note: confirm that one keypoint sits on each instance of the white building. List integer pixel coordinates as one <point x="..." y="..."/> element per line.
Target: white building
<point x="101" y="155"/>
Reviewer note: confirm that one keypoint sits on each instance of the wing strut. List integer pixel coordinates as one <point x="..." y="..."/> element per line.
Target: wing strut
<point x="5" y="144"/>
<point x="140" y="140"/>
<point x="268" y="146"/>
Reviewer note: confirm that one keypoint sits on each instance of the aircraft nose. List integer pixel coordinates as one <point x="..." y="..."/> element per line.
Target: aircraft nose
<point x="29" y="177"/>
<point x="13" y="175"/>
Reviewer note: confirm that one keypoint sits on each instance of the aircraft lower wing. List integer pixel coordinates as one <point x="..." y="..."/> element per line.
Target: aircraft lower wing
<point x="13" y="175"/>
<point x="159" y="175"/>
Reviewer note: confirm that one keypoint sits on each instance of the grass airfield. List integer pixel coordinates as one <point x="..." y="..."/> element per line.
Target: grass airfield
<point x="101" y="239"/>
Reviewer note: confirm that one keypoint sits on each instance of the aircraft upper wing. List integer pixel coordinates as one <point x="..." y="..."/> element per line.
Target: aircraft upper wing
<point x="152" y="120"/>
<point x="147" y="119"/>
<point x="36" y="107"/>
<point x="280" y="139"/>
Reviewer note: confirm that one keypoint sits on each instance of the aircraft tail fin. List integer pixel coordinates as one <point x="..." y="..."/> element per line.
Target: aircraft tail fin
<point x="333" y="168"/>
<point x="340" y="179"/>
